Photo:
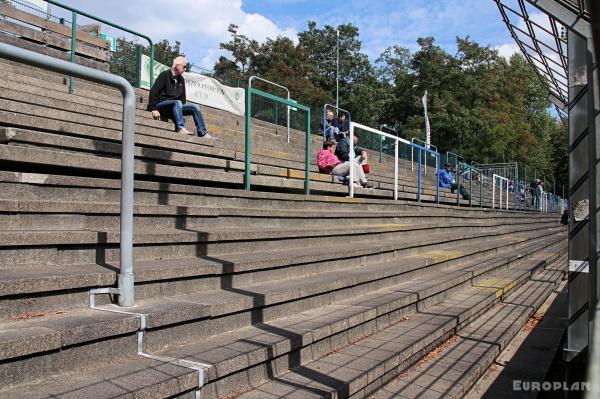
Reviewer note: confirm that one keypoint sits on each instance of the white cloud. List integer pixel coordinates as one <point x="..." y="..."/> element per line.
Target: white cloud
<point x="507" y="50"/>
<point x="200" y="25"/>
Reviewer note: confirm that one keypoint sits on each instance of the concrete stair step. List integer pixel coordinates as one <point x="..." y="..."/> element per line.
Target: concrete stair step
<point x="56" y="329"/>
<point x="17" y="214"/>
<point x="366" y="364"/>
<point x="211" y="273"/>
<point x="38" y="186"/>
<point x="460" y="362"/>
<point x="375" y="169"/>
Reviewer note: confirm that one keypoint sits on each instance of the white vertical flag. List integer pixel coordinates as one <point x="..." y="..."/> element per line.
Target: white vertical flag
<point x="427" y="127"/>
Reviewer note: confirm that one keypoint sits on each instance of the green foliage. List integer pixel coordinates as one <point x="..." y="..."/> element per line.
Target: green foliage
<point x="480" y="105"/>
<point x="123" y="61"/>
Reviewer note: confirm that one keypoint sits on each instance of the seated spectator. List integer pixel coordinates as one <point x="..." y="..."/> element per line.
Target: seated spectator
<point x="445" y="180"/>
<point x="329" y="126"/>
<point x="167" y="99"/>
<point x="343" y="147"/>
<point x="341" y="124"/>
<point x="330" y="164"/>
<point x="511" y="186"/>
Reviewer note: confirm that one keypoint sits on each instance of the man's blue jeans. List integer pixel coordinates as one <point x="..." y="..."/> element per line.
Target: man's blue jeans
<point x="176" y="110"/>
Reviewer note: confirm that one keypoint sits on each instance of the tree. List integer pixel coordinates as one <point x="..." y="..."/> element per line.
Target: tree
<point x="123" y="61"/>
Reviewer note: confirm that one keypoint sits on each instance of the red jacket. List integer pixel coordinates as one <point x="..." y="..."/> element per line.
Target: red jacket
<point x="326" y="161"/>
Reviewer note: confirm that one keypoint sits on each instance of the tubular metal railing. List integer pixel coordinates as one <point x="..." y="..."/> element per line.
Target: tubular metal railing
<point x="354" y="126"/>
<point x="75" y="12"/>
<point x="502" y="180"/>
<point x="248" y="143"/>
<point x="289" y="100"/>
<point x="412" y="142"/>
<point x="422" y="150"/>
<point x="126" y="277"/>
<point x="327" y="107"/>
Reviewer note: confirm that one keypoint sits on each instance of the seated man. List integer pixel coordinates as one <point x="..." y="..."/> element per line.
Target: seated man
<point x="330" y="164"/>
<point x="329" y="130"/>
<point x="167" y="99"/>
<point x="341" y="124"/>
<point x="445" y="180"/>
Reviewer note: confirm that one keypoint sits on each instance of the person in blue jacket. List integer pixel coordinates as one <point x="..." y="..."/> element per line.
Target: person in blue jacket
<point x="446" y="180"/>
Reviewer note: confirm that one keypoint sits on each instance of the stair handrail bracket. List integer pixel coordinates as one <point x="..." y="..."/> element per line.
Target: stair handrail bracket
<point x="126" y="275"/>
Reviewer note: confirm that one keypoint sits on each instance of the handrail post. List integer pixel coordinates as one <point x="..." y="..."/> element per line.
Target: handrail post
<point x="437" y="185"/>
<point x="151" y="62"/>
<point x="307" y="156"/>
<point x="73" y="48"/>
<point x="419" y="178"/>
<point x="470" y="186"/>
<point x="126" y="277"/>
<point x="85" y="14"/>
<point x="396" y="171"/>
<point x="138" y="65"/>
<point x="247" y="139"/>
<point x="351" y="160"/>
<point x="494" y="191"/>
<point x="288" y="98"/>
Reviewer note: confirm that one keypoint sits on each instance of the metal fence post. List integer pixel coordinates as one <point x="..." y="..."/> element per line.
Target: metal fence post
<point x="419" y="178"/>
<point x="247" y="139"/>
<point x="307" y="156"/>
<point x="126" y="276"/>
<point x="138" y="65"/>
<point x="73" y="48"/>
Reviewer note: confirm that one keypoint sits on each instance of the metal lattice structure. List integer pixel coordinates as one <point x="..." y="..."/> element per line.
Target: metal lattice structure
<point x="543" y="41"/>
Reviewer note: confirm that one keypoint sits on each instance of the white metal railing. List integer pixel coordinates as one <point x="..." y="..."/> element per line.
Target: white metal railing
<point x="354" y="125"/>
<point x="501" y="179"/>
<point x="412" y="152"/>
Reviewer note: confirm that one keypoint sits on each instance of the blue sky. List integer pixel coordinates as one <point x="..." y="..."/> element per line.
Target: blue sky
<point x="202" y="24"/>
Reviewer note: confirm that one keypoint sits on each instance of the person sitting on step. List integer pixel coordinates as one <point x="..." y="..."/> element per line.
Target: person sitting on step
<point x="167" y="99"/>
<point x="329" y="130"/>
<point x="330" y="164"/>
<point x="446" y="180"/>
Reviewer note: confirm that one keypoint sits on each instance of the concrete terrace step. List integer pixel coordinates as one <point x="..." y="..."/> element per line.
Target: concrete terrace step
<point x="38" y="186"/>
<point x="35" y="159"/>
<point x="125" y="321"/>
<point x="50" y="215"/>
<point x="458" y="364"/>
<point x="358" y="369"/>
<point x="231" y="270"/>
<point x="292" y="153"/>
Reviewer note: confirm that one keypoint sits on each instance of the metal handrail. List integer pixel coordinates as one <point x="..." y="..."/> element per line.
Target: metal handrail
<point x="391" y="129"/>
<point x="437" y="166"/>
<point x="501" y="179"/>
<point x="75" y="11"/>
<point x="465" y="166"/>
<point x="280" y="86"/>
<point x="456" y="157"/>
<point x="126" y="277"/>
<point x="354" y="125"/>
<point x="412" y="141"/>
<point x="329" y="106"/>
<point x="248" y="128"/>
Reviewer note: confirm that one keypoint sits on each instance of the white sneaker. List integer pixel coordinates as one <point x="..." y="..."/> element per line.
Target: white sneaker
<point x="185" y="131"/>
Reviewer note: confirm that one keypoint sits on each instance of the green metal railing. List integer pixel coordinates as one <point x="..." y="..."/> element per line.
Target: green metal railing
<point x="466" y="168"/>
<point x="287" y="102"/>
<point x="75" y="12"/>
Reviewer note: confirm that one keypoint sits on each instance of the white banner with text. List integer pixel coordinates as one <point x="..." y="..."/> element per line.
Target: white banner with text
<point x="201" y="89"/>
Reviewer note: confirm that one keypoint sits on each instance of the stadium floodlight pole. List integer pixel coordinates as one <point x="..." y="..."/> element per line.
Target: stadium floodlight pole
<point x="337" y="70"/>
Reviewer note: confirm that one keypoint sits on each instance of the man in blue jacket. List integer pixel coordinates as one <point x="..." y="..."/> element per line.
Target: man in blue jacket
<point x="446" y="180"/>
